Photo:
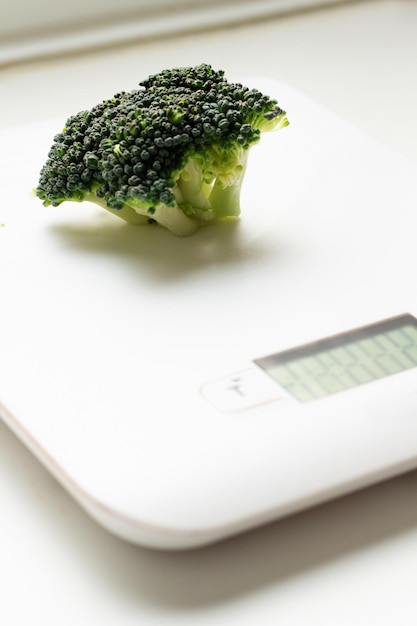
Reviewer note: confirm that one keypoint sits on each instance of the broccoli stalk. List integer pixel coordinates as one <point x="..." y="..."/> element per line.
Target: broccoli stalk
<point x="173" y="152"/>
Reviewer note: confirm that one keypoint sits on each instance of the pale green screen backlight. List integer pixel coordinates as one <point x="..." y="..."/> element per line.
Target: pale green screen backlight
<point x="347" y="360"/>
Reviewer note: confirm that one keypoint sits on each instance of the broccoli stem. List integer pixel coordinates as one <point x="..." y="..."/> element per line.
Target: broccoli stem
<point x="225" y="194"/>
<point x="170" y="217"/>
<point x="175" y="220"/>
<point x="126" y="213"/>
<point x="225" y="201"/>
<point x="190" y="187"/>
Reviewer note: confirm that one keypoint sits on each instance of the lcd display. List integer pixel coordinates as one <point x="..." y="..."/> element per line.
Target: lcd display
<point x="347" y="360"/>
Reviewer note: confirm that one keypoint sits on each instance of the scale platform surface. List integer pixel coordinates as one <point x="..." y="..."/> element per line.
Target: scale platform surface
<point x="145" y="371"/>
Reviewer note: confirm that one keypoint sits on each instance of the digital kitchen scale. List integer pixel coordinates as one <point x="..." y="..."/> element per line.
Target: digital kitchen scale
<point x="187" y="389"/>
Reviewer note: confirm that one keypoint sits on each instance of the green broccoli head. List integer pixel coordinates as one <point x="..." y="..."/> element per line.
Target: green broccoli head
<point x="172" y="152"/>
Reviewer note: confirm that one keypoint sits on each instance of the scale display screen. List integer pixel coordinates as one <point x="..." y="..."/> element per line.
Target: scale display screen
<point x="347" y="360"/>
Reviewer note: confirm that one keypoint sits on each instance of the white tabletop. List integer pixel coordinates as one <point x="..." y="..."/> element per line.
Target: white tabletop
<point x="352" y="560"/>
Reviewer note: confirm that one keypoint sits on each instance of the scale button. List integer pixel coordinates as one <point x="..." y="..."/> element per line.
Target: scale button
<point x="241" y="390"/>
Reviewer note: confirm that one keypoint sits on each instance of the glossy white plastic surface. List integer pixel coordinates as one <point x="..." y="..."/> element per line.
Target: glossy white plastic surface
<point x="110" y="331"/>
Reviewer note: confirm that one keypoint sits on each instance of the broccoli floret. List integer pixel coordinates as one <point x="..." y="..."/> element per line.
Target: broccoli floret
<point x="173" y="151"/>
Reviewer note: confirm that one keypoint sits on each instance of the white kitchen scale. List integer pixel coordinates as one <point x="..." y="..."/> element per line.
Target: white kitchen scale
<point x="187" y="389"/>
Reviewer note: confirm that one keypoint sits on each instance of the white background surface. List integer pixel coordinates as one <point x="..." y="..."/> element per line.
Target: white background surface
<point x="21" y="17"/>
<point x="353" y="560"/>
<point x="51" y="26"/>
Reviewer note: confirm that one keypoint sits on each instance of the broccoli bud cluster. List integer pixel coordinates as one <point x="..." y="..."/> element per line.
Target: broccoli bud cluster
<point x="172" y="151"/>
